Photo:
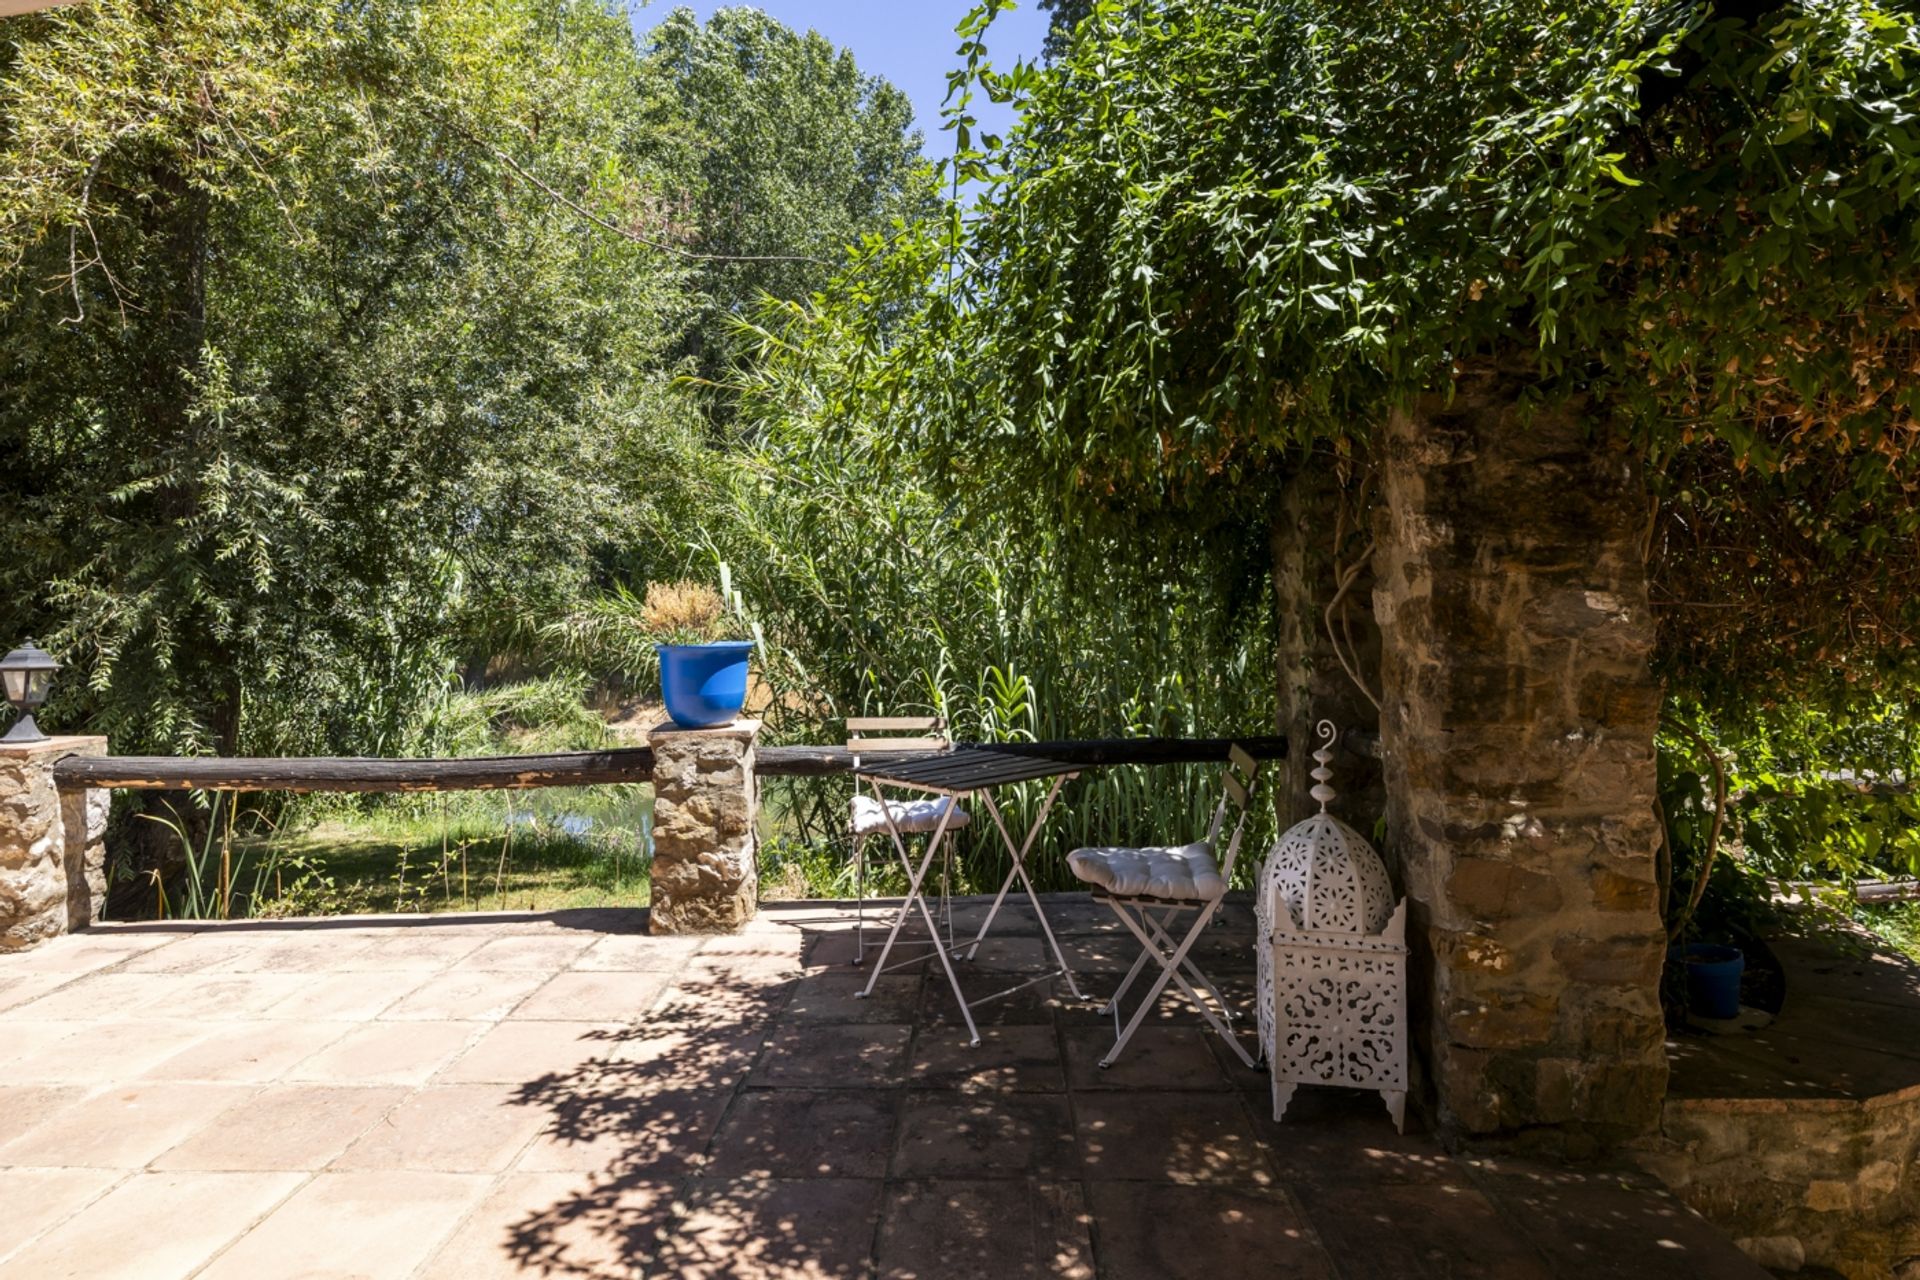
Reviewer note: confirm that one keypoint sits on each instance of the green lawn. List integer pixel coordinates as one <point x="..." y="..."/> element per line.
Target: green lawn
<point x="1898" y="923"/>
<point x="540" y="851"/>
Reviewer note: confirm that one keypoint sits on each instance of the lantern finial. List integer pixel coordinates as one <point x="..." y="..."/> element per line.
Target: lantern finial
<point x="1321" y="773"/>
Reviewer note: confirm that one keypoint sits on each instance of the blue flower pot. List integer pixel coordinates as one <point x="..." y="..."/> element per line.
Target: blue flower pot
<point x="1713" y="979"/>
<point x="704" y="684"/>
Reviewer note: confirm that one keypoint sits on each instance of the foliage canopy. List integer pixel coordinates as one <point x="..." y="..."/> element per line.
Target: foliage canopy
<point x="1225" y="233"/>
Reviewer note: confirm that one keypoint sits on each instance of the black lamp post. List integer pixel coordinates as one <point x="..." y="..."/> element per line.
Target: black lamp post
<point x="28" y="674"/>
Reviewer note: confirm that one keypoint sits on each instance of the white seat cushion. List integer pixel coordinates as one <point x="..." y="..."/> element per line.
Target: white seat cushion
<point x="910" y="816"/>
<point x="1184" y="873"/>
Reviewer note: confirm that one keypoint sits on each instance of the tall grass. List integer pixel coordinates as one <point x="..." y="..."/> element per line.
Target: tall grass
<point x="876" y="593"/>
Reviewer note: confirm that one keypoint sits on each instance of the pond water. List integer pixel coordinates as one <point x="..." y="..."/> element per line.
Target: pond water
<point x="592" y="815"/>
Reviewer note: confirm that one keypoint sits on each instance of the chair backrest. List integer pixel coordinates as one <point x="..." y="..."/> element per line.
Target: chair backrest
<point x="885" y="733"/>
<point x="1237" y="796"/>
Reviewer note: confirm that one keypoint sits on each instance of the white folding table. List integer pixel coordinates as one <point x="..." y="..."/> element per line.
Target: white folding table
<point x="972" y="772"/>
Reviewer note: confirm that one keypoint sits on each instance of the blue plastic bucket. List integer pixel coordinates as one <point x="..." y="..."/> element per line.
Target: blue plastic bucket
<point x="1713" y="979"/>
<point x="704" y="684"/>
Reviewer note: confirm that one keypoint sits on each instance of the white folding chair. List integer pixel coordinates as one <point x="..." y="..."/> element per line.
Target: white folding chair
<point x="1151" y="888"/>
<point x="876" y="815"/>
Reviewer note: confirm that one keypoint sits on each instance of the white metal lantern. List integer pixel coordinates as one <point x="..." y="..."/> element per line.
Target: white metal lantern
<point x="1333" y="958"/>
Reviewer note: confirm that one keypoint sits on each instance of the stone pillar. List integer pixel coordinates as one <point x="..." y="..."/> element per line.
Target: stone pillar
<point x="705" y="801"/>
<point x="52" y="844"/>
<point x="1517" y="731"/>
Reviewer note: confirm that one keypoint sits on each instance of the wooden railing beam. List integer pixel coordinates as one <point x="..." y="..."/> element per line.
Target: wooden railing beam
<point x="566" y="769"/>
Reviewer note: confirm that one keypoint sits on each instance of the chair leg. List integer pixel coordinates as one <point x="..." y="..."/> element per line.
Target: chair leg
<point x="1169" y="970"/>
<point x="1113" y="1005"/>
<point x="860" y="900"/>
<point x="1198" y="974"/>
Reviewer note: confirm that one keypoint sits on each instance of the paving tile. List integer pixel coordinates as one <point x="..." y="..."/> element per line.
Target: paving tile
<point x="389" y="1053"/>
<point x="1595" y="1222"/>
<point x="85" y="952"/>
<point x="1014" y="1058"/>
<point x="1399" y="1232"/>
<point x="20" y="1039"/>
<point x="235" y="996"/>
<point x="455" y="1128"/>
<point x="107" y="995"/>
<point x="122" y="1127"/>
<point x="1016" y="1135"/>
<point x="783" y="945"/>
<point x="39" y="1199"/>
<point x="370" y="1225"/>
<point x="311" y="951"/>
<point x="755" y="1229"/>
<point x="17" y="989"/>
<point x="1101" y="953"/>
<point x="465" y="995"/>
<point x="349" y="997"/>
<point x="714" y="1057"/>
<point x="630" y="952"/>
<point x="413" y="951"/>
<point x="195" y="953"/>
<point x="522" y="1052"/>
<point x="1156" y="1058"/>
<point x="608" y="1124"/>
<point x="1170" y="1137"/>
<point x="593" y="997"/>
<point x="999" y="1229"/>
<point x="837" y="996"/>
<point x="1148" y="1231"/>
<point x="1033" y="1005"/>
<point x="558" y="1224"/>
<point x="105" y="1052"/>
<point x="1000" y="953"/>
<point x="152" y="1226"/>
<point x="1346" y="1136"/>
<point x="700" y="995"/>
<point x="289" y="1127"/>
<point x="822" y="1055"/>
<point x="532" y="953"/>
<point x="249" y="1052"/>
<point x="24" y="1106"/>
<point x="799" y="1133"/>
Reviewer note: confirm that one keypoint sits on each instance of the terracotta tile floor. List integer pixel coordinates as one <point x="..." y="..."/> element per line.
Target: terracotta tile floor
<point x="562" y="1095"/>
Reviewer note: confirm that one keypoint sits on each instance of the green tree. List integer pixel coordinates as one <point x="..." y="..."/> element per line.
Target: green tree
<point x="782" y="153"/>
<point x="316" y="349"/>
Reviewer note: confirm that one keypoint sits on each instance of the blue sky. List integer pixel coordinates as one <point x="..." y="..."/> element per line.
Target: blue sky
<point x="910" y="42"/>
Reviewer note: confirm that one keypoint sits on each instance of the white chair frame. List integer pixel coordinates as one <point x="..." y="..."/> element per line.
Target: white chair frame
<point x="1150" y="920"/>
<point x="882" y="733"/>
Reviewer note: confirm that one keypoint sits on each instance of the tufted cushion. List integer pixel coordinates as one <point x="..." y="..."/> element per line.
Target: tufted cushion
<point x="908" y="815"/>
<point x="1187" y="873"/>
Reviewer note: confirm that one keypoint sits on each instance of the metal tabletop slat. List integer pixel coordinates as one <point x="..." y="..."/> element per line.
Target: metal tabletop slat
<point x="966" y="768"/>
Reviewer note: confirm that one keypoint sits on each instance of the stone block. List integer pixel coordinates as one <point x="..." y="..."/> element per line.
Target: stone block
<point x="52" y="844"/>
<point x="1489" y="889"/>
<point x="705" y="845"/>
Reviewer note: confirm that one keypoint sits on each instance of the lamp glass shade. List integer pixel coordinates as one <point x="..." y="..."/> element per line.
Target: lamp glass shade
<point x="38" y="682"/>
<point x="16" y="686"/>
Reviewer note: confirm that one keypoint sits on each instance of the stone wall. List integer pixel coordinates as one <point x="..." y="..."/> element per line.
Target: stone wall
<point x="705" y="844"/>
<point x="1833" y="1182"/>
<point x="1312" y="684"/>
<point x="52" y="844"/>
<point x="1517" y="736"/>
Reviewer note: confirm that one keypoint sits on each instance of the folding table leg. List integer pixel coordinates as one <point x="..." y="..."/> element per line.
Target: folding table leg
<point x="916" y="895"/>
<point x="1020" y="870"/>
